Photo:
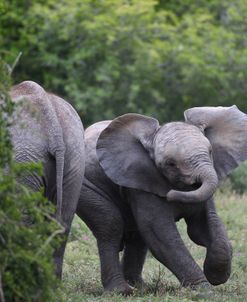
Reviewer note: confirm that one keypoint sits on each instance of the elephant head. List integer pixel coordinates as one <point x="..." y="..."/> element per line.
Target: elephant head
<point x="136" y="152"/>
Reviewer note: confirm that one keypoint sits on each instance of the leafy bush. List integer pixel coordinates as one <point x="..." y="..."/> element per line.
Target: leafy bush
<point x="112" y="57"/>
<point x="238" y="179"/>
<point x="26" y="266"/>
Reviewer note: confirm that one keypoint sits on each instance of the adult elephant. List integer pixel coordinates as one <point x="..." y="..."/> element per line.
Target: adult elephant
<point x="46" y="128"/>
<point x="132" y="163"/>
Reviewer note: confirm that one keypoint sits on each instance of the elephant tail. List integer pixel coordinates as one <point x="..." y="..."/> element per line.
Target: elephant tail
<point x="59" y="180"/>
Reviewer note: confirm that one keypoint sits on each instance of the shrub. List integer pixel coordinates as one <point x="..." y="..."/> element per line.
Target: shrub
<point x="238" y="179"/>
<point x="112" y="57"/>
<point x="26" y="266"/>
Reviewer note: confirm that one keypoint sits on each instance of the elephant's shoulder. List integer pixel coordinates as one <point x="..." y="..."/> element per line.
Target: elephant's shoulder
<point x="91" y="136"/>
<point x="93" y="131"/>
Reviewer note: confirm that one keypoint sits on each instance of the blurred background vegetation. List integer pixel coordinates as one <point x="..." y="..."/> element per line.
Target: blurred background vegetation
<point x="110" y="57"/>
<point x="116" y="56"/>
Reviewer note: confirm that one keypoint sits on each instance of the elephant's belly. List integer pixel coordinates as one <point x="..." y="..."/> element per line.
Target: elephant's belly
<point x="182" y="210"/>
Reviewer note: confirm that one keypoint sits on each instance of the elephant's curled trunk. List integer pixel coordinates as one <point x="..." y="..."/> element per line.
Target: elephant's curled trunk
<point x="209" y="180"/>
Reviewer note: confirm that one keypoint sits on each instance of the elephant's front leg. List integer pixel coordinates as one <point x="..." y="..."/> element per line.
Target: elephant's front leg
<point x="156" y="224"/>
<point x="133" y="259"/>
<point x="205" y="228"/>
<point x="105" y="221"/>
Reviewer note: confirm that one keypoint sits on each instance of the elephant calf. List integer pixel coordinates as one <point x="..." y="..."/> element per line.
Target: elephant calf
<point x="136" y="184"/>
<point x="48" y="129"/>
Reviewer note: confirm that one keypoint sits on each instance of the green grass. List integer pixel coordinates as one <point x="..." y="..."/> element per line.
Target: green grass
<point x="81" y="279"/>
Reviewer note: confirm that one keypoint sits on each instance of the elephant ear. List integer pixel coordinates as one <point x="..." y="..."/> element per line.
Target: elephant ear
<point x="124" y="150"/>
<point x="226" y="129"/>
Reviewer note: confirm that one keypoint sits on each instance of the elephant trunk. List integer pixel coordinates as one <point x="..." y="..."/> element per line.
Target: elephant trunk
<point x="209" y="180"/>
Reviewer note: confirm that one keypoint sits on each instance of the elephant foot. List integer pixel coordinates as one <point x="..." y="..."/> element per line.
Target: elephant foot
<point x="203" y="291"/>
<point x="136" y="282"/>
<point x="201" y="286"/>
<point x="122" y="288"/>
<point x="195" y="285"/>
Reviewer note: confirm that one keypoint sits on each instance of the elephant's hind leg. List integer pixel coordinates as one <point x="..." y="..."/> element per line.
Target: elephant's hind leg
<point x="105" y="221"/>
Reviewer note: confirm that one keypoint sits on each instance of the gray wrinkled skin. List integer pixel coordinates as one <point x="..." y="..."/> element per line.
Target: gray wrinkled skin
<point x="136" y="152"/>
<point x="46" y="128"/>
<point x="124" y="212"/>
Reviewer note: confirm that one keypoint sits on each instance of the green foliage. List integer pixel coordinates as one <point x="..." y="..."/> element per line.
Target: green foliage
<point x="6" y="109"/>
<point x="238" y="179"/>
<point x="112" y="57"/>
<point x="26" y="224"/>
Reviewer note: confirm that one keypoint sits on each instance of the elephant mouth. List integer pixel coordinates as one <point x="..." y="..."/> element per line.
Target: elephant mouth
<point x="186" y="187"/>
